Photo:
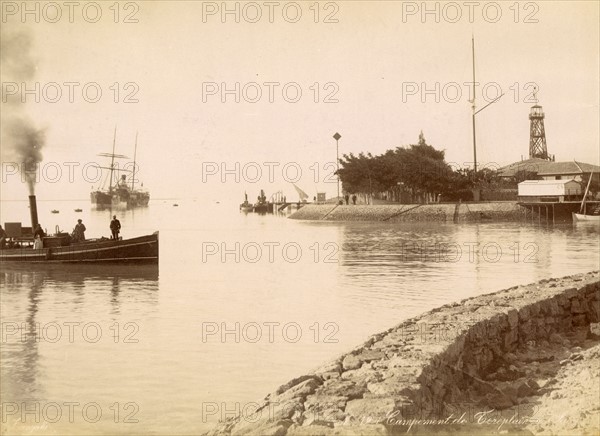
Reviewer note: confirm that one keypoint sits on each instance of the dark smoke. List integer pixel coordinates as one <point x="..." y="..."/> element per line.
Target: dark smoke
<point x="26" y="142"/>
<point x="21" y="140"/>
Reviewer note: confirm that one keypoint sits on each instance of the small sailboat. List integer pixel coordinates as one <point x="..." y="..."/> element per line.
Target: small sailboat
<point x="583" y="216"/>
<point x="55" y="211"/>
<point x="78" y="210"/>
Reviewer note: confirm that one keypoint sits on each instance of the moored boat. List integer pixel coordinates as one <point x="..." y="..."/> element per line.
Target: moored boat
<point x="246" y="206"/>
<point x="586" y="218"/>
<point x="262" y="206"/>
<point x="583" y="216"/>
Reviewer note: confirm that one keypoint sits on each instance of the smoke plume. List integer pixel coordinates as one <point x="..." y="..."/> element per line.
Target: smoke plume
<point x="21" y="140"/>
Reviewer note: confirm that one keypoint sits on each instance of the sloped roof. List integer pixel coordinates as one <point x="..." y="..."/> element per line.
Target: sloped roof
<point x="574" y="167"/>
<point x="547" y="182"/>
<point x="546" y="168"/>
<point x="533" y="165"/>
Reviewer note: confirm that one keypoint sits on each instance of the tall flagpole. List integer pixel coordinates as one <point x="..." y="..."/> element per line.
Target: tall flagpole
<point x="473" y="107"/>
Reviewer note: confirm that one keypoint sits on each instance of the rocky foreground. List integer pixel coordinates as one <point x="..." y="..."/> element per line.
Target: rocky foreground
<point x="520" y="361"/>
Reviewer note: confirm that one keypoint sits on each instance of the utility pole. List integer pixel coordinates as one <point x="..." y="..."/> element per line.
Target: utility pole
<point x="337" y="137"/>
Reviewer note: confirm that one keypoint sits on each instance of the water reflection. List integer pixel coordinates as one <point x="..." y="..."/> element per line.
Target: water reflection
<point x="362" y="277"/>
<point x="40" y="303"/>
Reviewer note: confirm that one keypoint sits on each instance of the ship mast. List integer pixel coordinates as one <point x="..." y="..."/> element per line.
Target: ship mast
<point x="475" y="112"/>
<point x="134" y="155"/>
<point x="112" y="162"/>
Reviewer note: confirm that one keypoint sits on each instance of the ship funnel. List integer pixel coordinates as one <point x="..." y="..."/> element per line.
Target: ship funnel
<point x="33" y="211"/>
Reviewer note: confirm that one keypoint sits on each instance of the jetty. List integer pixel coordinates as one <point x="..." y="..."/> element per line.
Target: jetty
<point x="491" y="364"/>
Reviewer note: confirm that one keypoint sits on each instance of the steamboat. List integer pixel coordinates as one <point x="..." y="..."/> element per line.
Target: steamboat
<point x="19" y="245"/>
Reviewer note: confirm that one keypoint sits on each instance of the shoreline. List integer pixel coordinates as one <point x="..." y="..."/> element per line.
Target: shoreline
<point x="496" y="363"/>
<point x="506" y="211"/>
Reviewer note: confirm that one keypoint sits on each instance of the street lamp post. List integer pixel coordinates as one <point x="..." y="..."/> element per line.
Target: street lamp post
<point x="337" y="137"/>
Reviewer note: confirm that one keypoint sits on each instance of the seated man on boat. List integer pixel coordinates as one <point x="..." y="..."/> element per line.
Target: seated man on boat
<point x="79" y="231"/>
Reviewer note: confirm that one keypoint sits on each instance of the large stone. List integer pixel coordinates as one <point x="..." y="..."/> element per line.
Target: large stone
<point x="375" y="408"/>
<point x="511" y="338"/>
<point x="262" y="427"/>
<point x="293" y="383"/>
<point x="513" y="318"/>
<point x="524" y="389"/>
<point x="300" y="391"/>
<point x="351" y="362"/>
<point x="347" y="389"/>
<point x="370" y="355"/>
<point x="393" y="386"/>
<point x="334" y="366"/>
<point x="578" y="306"/>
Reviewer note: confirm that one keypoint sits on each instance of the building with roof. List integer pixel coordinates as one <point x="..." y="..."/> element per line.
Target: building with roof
<point x="548" y="170"/>
<point x="550" y="190"/>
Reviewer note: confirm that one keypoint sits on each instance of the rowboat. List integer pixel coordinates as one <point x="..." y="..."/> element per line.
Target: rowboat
<point x="587" y="218"/>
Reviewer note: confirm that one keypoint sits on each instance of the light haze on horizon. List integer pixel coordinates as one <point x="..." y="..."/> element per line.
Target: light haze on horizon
<point x="371" y="54"/>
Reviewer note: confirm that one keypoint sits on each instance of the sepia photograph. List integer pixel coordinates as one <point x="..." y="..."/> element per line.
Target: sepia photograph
<point x="299" y="218"/>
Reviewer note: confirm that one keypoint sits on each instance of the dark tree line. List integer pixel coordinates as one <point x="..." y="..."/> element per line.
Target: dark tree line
<point x="418" y="170"/>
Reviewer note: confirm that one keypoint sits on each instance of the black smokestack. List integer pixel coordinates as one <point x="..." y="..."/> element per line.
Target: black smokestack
<point x="33" y="211"/>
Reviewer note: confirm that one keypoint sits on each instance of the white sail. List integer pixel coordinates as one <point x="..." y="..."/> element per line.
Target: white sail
<point x="303" y="195"/>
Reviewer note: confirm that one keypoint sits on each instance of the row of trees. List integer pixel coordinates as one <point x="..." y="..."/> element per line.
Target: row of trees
<point x="419" y="173"/>
<point x="418" y="170"/>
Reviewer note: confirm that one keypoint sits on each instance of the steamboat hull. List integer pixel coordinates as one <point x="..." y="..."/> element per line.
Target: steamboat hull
<point x="143" y="249"/>
<point x="101" y="198"/>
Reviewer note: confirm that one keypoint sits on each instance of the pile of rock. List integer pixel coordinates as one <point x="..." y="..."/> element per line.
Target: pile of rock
<point x="481" y="362"/>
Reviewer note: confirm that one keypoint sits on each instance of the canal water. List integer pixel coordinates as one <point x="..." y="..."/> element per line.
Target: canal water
<point x="239" y="305"/>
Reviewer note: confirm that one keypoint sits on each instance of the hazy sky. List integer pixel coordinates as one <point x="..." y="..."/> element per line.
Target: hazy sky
<point x="374" y="61"/>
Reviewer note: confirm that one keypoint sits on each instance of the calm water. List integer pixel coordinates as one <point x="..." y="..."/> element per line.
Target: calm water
<point x="146" y="344"/>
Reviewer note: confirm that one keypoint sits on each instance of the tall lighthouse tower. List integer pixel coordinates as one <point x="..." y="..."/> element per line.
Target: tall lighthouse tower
<point x="537" y="133"/>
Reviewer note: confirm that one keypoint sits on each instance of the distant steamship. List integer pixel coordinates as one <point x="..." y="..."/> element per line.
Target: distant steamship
<point x="120" y="193"/>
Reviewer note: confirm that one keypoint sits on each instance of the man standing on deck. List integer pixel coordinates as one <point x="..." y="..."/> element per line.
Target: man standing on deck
<point x="79" y="231"/>
<point x="115" y="227"/>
